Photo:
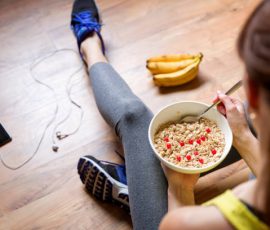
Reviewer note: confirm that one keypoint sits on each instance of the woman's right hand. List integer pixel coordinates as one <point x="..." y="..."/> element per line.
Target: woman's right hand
<point x="233" y="110"/>
<point x="243" y="140"/>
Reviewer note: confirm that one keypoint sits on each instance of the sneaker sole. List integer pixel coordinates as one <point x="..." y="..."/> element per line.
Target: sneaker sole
<point x="101" y="185"/>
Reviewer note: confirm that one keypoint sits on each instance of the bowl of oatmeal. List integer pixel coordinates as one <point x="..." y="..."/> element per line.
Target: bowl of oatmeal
<point x="190" y="147"/>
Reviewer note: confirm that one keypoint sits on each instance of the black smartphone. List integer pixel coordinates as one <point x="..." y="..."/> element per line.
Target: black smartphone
<point x="4" y="137"/>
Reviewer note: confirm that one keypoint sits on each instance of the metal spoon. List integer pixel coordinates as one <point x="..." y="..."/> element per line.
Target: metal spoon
<point x="194" y="118"/>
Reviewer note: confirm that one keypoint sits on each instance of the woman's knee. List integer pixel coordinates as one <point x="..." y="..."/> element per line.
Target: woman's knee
<point x="135" y="110"/>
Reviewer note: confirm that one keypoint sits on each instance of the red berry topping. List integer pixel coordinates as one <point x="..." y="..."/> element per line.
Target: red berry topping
<point x="190" y="141"/>
<point x="166" y="139"/>
<point x="214" y="151"/>
<point x="168" y="145"/>
<point x="201" y="160"/>
<point x="182" y="143"/>
<point x="203" y="138"/>
<point x="208" y="130"/>
<point x="178" y="158"/>
<point x="196" y="153"/>
<point x="188" y="157"/>
<point x="199" y="141"/>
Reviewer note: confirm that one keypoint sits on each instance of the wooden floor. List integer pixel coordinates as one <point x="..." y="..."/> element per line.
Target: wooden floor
<point x="47" y="192"/>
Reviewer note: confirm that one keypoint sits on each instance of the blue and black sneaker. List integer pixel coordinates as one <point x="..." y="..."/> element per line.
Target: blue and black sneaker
<point x="85" y="21"/>
<point x="105" y="180"/>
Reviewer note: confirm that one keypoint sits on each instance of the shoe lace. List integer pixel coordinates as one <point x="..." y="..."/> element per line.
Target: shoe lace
<point x="85" y="19"/>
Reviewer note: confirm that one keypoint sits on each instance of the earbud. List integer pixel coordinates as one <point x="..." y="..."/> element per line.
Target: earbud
<point x="55" y="148"/>
<point x="60" y="136"/>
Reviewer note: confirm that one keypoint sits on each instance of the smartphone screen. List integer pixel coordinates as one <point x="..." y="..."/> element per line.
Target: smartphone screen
<point x="4" y="137"/>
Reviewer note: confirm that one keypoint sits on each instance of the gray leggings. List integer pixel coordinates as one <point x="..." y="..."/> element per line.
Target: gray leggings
<point x="130" y="118"/>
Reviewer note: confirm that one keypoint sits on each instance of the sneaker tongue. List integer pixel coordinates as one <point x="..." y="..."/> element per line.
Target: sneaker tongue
<point x="117" y="172"/>
<point x="121" y="170"/>
<point x="88" y="15"/>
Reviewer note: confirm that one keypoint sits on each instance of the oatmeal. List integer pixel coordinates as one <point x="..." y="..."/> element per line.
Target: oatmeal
<point x="191" y="145"/>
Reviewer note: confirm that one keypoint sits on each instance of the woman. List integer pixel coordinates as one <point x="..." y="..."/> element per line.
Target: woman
<point x="149" y="195"/>
<point x="248" y="205"/>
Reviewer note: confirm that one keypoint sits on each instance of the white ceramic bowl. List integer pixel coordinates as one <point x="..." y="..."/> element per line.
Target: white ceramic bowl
<point x="172" y="113"/>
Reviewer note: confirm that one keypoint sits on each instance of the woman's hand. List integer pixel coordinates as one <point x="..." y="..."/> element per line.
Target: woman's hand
<point x="180" y="180"/>
<point x="243" y="140"/>
<point x="233" y="110"/>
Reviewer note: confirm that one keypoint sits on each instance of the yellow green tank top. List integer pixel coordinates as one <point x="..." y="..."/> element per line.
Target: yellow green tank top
<point x="239" y="216"/>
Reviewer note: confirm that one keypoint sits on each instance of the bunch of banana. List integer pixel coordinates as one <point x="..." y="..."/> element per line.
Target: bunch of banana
<point x="173" y="70"/>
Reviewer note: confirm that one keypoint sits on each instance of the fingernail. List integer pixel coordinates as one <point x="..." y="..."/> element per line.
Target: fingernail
<point x="221" y="94"/>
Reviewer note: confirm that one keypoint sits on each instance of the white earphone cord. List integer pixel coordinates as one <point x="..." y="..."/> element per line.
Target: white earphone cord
<point x="68" y="91"/>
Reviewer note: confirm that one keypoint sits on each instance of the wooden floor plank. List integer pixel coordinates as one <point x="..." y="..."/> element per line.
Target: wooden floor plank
<point x="71" y="209"/>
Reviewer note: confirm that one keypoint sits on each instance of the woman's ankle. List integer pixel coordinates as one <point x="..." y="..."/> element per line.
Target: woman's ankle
<point x="91" y="49"/>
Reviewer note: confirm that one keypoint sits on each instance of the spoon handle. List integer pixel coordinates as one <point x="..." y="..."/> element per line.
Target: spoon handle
<point x="229" y="92"/>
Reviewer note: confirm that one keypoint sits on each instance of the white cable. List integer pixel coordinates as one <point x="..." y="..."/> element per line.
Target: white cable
<point x="58" y="134"/>
<point x="56" y="109"/>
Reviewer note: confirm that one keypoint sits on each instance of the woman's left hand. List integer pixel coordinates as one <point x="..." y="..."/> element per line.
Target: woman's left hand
<point x="180" y="180"/>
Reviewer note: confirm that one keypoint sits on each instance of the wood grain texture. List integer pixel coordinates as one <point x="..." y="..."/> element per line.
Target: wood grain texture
<point x="47" y="193"/>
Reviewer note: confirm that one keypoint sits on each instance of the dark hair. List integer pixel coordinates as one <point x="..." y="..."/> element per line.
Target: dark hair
<point x="254" y="49"/>
<point x="254" y="44"/>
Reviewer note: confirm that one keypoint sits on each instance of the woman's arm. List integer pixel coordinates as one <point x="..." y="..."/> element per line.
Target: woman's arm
<point x="195" y="218"/>
<point x="243" y="140"/>
<point x="180" y="188"/>
<point x="248" y="148"/>
<point x="180" y="197"/>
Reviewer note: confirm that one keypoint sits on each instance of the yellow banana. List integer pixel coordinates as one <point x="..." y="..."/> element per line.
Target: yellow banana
<point x="173" y="58"/>
<point x="168" y="67"/>
<point x="179" y="77"/>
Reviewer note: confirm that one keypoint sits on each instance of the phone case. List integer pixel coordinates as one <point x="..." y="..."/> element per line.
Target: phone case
<point x="4" y="137"/>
